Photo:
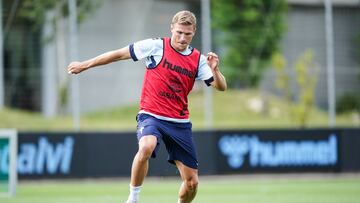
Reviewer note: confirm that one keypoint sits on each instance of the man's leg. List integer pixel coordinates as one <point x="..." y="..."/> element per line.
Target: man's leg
<point x="140" y="165"/>
<point x="189" y="184"/>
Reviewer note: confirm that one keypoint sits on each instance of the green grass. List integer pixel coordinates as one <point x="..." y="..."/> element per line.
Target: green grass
<point x="233" y="189"/>
<point x="230" y="111"/>
<point x="3" y="186"/>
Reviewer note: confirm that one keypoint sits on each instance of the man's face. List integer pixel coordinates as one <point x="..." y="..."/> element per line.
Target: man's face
<point x="181" y="36"/>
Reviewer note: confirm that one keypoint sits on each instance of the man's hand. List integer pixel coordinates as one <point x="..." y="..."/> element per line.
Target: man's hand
<point x="76" y="67"/>
<point x="213" y="61"/>
<point x="219" y="80"/>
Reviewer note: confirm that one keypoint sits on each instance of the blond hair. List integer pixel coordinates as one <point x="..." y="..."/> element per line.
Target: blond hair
<point x="184" y="18"/>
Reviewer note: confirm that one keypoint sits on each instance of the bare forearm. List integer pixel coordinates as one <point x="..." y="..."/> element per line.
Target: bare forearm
<point x="219" y="80"/>
<point x="108" y="57"/>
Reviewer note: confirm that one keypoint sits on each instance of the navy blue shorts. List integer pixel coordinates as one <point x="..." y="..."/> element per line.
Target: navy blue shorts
<point x="177" y="138"/>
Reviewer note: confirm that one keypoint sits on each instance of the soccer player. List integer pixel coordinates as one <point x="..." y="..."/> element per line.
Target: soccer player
<point x="172" y="66"/>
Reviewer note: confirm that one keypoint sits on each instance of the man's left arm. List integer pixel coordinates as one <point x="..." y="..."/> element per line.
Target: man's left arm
<point x="219" y="82"/>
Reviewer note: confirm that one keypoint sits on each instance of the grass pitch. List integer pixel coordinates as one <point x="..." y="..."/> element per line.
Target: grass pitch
<point x="224" y="189"/>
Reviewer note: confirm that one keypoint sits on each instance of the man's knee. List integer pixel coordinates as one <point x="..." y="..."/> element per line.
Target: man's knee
<point x="146" y="148"/>
<point x="191" y="183"/>
<point x="144" y="153"/>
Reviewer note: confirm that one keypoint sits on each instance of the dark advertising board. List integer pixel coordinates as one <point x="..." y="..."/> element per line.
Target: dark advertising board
<point x="82" y="155"/>
<point x="350" y="150"/>
<point x="98" y="154"/>
<point x="278" y="151"/>
<point x="66" y="155"/>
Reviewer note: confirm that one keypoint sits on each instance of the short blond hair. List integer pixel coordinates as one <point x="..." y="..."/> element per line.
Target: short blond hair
<point x="184" y="18"/>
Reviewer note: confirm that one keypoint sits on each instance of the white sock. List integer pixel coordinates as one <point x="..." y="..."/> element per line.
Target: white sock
<point x="134" y="193"/>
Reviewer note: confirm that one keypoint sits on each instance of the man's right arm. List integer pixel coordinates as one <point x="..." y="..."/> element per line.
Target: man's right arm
<point x="108" y="57"/>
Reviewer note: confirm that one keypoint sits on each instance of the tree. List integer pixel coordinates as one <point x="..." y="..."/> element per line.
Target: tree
<point x="305" y="71"/>
<point x="35" y="10"/>
<point x="358" y="53"/>
<point x="23" y="37"/>
<point x="250" y="31"/>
